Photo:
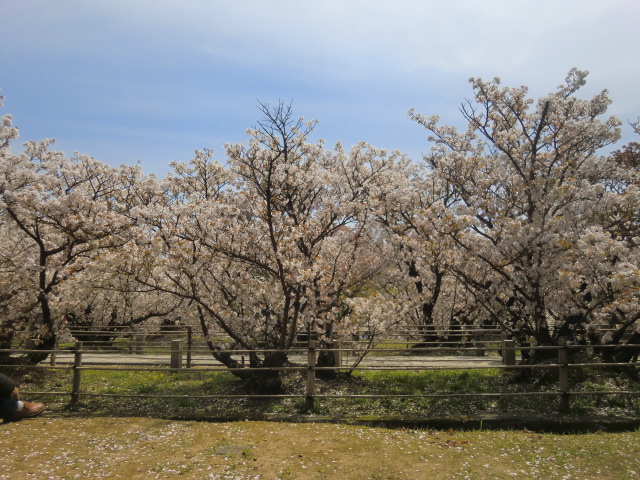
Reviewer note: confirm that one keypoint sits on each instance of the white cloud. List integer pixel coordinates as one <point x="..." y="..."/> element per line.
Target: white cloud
<point x="356" y="65"/>
<point x="354" y="37"/>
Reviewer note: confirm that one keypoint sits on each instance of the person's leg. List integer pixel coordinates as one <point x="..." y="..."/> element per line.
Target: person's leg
<point x="13" y="409"/>
<point x="8" y="408"/>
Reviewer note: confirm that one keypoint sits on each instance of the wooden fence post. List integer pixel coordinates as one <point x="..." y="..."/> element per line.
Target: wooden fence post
<point x="189" y="345"/>
<point x="311" y="374"/>
<point x="77" y="372"/>
<point x="479" y="344"/>
<point x="52" y="355"/>
<point x="563" y="374"/>
<point x="508" y="352"/>
<point x="337" y="355"/>
<point x="140" y="338"/>
<point x="176" y="354"/>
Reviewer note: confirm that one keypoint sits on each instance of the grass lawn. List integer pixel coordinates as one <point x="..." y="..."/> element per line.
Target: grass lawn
<point x="202" y="383"/>
<point x="51" y="447"/>
<point x="116" y="436"/>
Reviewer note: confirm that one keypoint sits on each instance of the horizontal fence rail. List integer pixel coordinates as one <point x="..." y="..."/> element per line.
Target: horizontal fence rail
<point x="182" y="354"/>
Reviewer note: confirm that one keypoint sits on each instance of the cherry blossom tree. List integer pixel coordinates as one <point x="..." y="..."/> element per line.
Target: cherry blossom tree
<point x="268" y="246"/>
<point x="611" y="257"/>
<point x="518" y="220"/>
<point x="526" y="177"/>
<point x="60" y="212"/>
<point x="105" y="297"/>
<point x="414" y="214"/>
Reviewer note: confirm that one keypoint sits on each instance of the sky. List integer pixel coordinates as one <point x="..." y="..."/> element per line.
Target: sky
<point x="150" y="81"/>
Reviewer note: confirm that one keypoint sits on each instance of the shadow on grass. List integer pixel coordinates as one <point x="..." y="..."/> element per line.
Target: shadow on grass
<point x="171" y="395"/>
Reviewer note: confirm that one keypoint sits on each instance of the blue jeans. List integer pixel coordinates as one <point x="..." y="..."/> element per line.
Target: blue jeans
<point x="8" y="408"/>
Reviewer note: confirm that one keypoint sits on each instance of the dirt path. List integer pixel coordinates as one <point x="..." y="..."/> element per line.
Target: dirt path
<point x="450" y="361"/>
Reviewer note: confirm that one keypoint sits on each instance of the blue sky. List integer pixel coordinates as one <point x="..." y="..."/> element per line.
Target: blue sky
<point x="150" y="81"/>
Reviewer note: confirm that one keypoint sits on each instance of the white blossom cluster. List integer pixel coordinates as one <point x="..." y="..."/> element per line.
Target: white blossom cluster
<point x="518" y="222"/>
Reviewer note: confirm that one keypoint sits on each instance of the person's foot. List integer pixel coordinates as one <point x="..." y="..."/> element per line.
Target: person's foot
<point x="31" y="409"/>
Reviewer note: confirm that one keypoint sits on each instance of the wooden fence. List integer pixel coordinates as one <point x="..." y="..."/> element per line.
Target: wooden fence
<point x="180" y="356"/>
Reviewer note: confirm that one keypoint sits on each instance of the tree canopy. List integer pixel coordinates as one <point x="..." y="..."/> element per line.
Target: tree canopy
<point x="522" y="220"/>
